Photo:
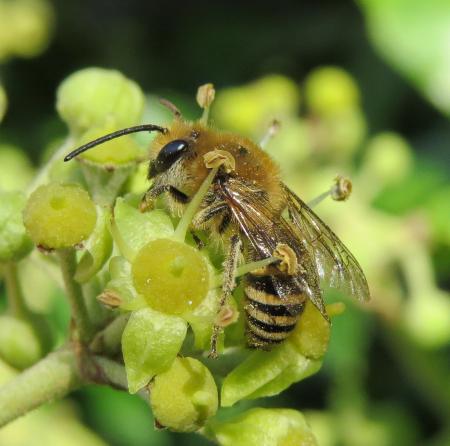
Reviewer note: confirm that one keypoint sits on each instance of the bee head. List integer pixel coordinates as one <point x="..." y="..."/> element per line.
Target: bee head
<point x="178" y="143"/>
<point x="167" y="156"/>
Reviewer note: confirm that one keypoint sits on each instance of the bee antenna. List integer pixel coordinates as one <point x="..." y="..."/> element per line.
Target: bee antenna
<point x="109" y="136"/>
<point x="171" y="106"/>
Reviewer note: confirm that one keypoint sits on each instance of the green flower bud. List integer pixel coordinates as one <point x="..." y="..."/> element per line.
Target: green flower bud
<point x="251" y="107"/>
<point x="331" y="90"/>
<point x="19" y="344"/>
<point x="59" y="215"/>
<point x="16" y="170"/>
<point x="25" y="27"/>
<point x="150" y="343"/>
<point x="426" y="316"/>
<point x="263" y="427"/>
<point x="14" y="241"/>
<point x="89" y="97"/>
<point x="3" y="102"/>
<point x="389" y="157"/>
<point x="185" y="396"/>
<point x="339" y="135"/>
<point x="172" y="277"/>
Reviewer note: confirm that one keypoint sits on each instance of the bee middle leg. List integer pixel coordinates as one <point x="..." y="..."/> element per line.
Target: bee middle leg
<point x="229" y="283"/>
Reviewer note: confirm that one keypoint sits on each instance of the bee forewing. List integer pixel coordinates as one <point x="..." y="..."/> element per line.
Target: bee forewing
<point x="333" y="261"/>
<point x="264" y="229"/>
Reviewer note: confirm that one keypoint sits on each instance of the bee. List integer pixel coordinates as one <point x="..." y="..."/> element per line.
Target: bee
<point x="256" y="216"/>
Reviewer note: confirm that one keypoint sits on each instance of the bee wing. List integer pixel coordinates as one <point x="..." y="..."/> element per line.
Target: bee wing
<point x="333" y="260"/>
<point x="265" y="229"/>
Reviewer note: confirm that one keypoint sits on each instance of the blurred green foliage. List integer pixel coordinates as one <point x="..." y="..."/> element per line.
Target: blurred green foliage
<point x="385" y="377"/>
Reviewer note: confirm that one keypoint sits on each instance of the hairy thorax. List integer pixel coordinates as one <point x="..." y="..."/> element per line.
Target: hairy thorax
<point x="253" y="166"/>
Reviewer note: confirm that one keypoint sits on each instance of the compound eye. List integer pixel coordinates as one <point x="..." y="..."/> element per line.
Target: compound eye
<point x="169" y="154"/>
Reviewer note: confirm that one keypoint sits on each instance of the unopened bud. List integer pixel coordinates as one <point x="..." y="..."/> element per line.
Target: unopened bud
<point x="88" y="97"/>
<point x="185" y="396"/>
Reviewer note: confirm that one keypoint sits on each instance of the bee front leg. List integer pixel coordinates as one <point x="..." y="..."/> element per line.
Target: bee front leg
<point x="155" y="191"/>
<point x="229" y="274"/>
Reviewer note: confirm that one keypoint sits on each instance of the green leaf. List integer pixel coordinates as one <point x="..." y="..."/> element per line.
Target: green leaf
<point x="266" y="373"/>
<point x="263" y="427"/>
<point x="150" y="343"/>
<point x="300" y="369"/>
<point x="202" y="319"/>
<point x="132" y="229"/>
<point x="98" y="249"/>
<point x="121" y="286"/>
<point x="413" y="37"/>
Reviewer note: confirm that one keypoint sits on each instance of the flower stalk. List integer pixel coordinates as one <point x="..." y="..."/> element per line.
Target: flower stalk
<point x="83" y="325"/>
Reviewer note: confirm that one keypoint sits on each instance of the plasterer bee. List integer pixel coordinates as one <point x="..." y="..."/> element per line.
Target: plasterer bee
<point x="244" y="207"/>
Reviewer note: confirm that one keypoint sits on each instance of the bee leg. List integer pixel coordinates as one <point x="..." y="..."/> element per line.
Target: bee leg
<point x="198" y="241"/>
<point x="155" y="192"/>
<point x="209" y="212"/>
<point x="229" y="283"/>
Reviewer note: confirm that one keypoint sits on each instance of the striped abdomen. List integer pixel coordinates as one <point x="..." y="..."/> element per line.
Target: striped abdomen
<point x="270" y="319"/>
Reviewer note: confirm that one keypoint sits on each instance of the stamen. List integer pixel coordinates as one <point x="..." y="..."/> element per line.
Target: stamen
<point x="270" y="133"/>
<point x="220" y="158"/>
<point x="289" y="262"/>
<point x="245" y="269"/>
<point x="339" y="191"/>
<point x="192" y="208"/>
<point x="205" y="97"/>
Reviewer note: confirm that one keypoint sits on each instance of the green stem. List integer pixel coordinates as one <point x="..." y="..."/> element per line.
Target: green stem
<point x="75" y="295"/>
<point x="116" y="376"/>
<point x="51" y="378"/>
<point x="205" y="116"/>
<point x="192" y="208"/>
<point x="16" y="301"/>
<point x="315" y="201"/>
<point x="105" y="185"/>
<point x="244" y="269"/>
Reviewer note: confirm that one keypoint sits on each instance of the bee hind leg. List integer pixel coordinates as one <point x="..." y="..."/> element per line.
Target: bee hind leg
<point x="229" y="275"/>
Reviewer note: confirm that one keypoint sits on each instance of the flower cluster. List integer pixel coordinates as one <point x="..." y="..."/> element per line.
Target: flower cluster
<point x="152" y="276"/>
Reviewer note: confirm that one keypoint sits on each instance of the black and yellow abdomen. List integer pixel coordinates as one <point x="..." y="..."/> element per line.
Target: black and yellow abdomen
<point x="270" y="319"/>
